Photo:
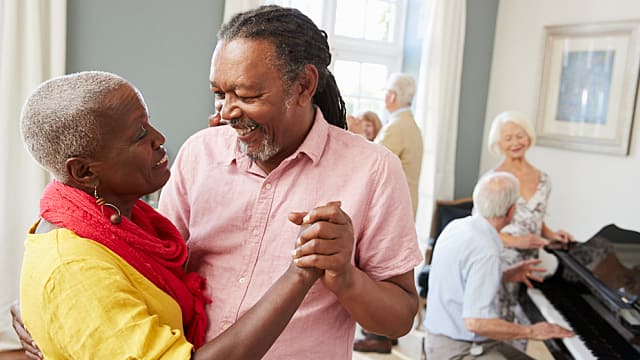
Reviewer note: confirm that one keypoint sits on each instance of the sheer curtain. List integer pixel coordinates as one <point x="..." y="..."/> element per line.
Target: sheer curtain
<point x="32" y="49"/>
<point x="437" y="102"/>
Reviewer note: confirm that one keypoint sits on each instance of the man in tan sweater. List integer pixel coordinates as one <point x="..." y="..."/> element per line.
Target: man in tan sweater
<point x="403" y="137"/>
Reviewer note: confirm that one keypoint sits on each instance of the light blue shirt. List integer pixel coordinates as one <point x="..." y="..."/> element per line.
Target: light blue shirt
<point x="464" y="278"/>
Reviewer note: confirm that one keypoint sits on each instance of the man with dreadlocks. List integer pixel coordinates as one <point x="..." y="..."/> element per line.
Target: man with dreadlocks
<point x="286" y="149"/>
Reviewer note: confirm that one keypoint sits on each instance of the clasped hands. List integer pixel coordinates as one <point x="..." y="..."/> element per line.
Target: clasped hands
<point x="325" y="242"/>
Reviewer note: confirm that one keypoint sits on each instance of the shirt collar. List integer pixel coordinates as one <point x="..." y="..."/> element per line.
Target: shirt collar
<point x="400" y="110"/>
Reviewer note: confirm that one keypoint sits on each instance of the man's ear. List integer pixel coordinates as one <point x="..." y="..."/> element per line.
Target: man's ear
<point x="80" y="172"/>
<point x="307" y="84"/>
<point x="393" y="96"/>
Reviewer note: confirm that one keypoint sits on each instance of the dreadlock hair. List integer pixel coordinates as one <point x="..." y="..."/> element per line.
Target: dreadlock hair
<point x="297" y="42"/>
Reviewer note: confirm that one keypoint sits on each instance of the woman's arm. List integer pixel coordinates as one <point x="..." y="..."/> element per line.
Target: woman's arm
<point x="527" y="241"/>
<point x="560" y="235"/>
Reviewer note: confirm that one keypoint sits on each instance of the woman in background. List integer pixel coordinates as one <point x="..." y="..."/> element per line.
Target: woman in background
<point x="511" y="135"/>
<point x="366" y="123"/>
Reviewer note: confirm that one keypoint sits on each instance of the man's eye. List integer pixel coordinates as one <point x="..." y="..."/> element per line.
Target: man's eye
<point x="219" y="95"/>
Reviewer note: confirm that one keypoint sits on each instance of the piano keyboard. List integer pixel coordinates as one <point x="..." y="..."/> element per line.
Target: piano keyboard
<point x="576" y="347"/>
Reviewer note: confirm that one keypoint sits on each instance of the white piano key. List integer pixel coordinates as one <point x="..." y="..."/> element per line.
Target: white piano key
<point x="576" y="347"/>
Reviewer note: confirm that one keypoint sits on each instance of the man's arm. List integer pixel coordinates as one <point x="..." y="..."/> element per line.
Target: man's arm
<point x="384" y="307"/>
<point x="499" y="329"/>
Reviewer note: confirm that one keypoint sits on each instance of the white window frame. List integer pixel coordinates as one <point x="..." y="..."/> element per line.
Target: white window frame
<point x="346" y="48"/>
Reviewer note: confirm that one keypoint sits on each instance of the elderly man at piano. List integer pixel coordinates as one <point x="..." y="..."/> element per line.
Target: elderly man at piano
<point x="462" y="319"/>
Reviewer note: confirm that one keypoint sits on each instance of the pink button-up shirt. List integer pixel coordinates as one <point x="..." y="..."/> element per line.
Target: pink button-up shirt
<point x="234" y="217"/>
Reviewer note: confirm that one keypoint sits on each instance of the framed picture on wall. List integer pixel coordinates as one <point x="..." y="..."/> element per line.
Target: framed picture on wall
<point x="589" y="86"/>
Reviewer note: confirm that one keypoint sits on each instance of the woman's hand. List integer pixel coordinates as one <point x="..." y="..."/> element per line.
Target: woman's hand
<point x="561" y="236"/>
<point x="29" y="346"/>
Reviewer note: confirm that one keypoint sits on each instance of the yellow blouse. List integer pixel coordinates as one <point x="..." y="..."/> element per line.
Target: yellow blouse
<point x="79" y="300"/>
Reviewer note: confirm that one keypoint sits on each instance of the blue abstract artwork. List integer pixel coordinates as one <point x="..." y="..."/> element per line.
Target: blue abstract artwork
<point x="585" y="86"/>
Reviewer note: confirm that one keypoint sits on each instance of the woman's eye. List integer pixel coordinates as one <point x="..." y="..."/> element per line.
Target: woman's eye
<point x="142" y="133"/>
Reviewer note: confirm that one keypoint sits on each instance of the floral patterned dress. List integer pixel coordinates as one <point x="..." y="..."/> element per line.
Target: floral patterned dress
<point x="528" y="219"/>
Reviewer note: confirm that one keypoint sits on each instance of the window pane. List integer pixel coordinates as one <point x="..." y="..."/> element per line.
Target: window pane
<point x="361" y="85"/>
<point x="351" y="104"/>
<point x="350" y="18"/>
<point x="366" y="19"/>
<point x="347" y="74"/>
<point x="374" y="78"/>
<point x="311" y="8"/>
<point x="377" y="106"/>
<point x="380" y="16"/>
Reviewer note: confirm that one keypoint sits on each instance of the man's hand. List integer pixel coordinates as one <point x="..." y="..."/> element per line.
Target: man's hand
<point x="326" y="242"/>
<point x="544" y="331"/>
<point x="30" y="348"/>
<point x="523" y="271"/>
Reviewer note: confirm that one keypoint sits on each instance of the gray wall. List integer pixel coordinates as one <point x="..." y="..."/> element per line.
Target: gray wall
<point x="162" y="46"/>
<point x="476" y="68"/>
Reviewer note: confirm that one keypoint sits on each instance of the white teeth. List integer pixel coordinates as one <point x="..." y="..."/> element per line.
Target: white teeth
<point x="245" y="131"/>
<point x="163" y="160"/>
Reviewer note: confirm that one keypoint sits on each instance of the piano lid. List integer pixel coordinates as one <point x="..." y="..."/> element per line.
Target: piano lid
<point x="597" y="264"/>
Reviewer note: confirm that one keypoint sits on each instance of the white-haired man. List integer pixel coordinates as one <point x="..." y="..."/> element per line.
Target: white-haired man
<point x="402" y="137"/>
<point x="462" y="317"/>
<point x="401" y="134"/>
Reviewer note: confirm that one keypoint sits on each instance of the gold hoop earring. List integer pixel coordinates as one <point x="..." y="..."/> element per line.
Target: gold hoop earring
<point x="116" y="218"/>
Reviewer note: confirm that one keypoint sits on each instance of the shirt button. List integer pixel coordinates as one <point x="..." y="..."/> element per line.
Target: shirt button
<point x="268" y="186"/>
<point x="225" y="326"/>
<point x="256" y="232"/>
<point x="241" y="280"/>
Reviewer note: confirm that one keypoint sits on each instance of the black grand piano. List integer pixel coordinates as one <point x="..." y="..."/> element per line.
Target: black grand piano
<point x="606" y="320"/>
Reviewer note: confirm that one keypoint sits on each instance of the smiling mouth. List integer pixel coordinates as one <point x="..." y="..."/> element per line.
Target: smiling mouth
<point x="244" y="130"/>
<point x="162" y="161"/>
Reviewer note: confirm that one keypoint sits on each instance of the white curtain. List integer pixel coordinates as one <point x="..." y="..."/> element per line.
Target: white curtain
<point x="32" y="49"/>
<point x="437" y="102"/>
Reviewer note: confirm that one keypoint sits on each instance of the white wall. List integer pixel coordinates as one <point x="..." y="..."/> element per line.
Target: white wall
<point x="589" y="190"/>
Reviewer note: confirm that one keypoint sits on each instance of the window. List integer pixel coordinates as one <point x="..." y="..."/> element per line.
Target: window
<point x="366" y="39"/>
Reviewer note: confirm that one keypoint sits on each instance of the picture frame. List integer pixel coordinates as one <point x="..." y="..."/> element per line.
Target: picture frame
<point x="589" y="87"/>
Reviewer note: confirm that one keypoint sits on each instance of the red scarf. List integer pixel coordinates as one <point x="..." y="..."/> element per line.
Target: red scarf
<point x="149" y="242"/>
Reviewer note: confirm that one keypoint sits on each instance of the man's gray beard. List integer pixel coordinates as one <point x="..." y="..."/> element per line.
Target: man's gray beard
<point x="267" y="150"/>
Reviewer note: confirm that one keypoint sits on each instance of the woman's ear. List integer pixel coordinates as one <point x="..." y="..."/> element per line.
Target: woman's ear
<point x="307" y="84"/>
<point x="80" y="172"/>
